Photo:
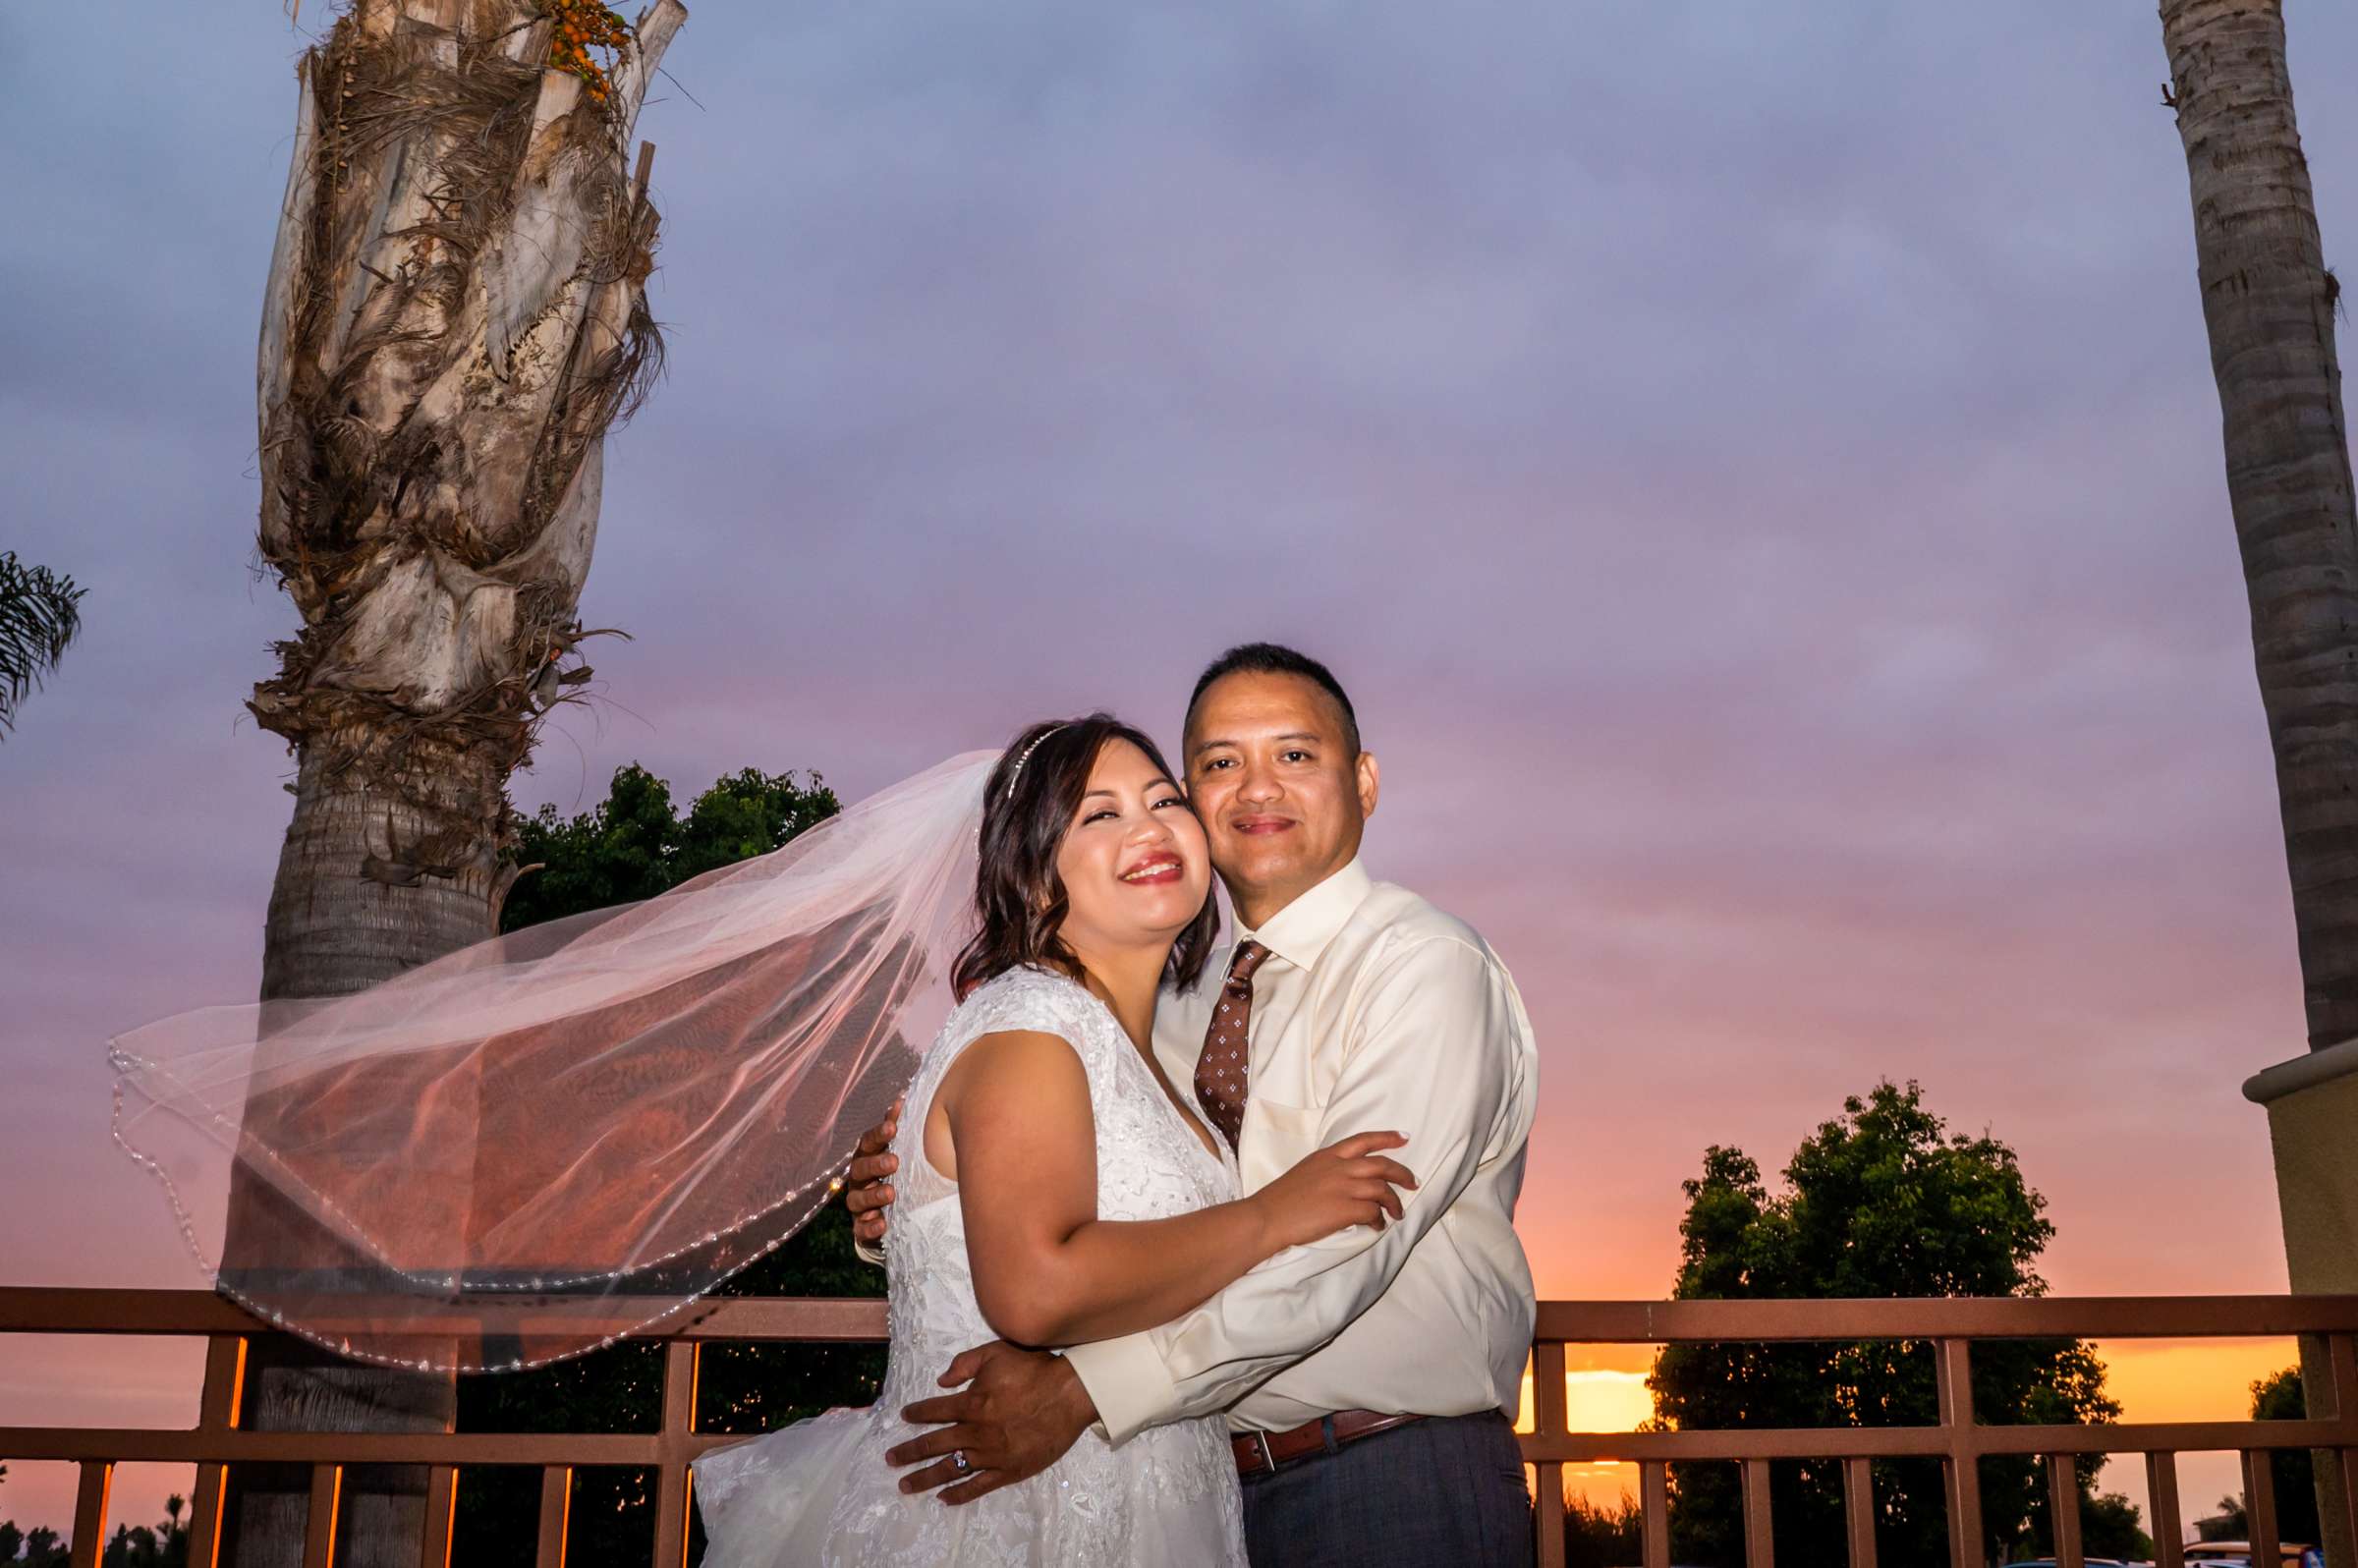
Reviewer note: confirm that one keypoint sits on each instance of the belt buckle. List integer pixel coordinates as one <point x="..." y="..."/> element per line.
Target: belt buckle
<point x="1268" y="1460"/>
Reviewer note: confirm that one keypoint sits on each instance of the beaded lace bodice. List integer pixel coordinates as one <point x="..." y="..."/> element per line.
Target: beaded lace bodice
<point x="1096" y="1504"/>
<point x="1150" y="1166"/>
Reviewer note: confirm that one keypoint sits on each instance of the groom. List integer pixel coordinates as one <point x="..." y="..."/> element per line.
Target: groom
<point x="1369" y="1378"/>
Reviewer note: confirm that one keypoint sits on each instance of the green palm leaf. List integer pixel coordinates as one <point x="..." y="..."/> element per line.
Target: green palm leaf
<point x="40" y="614"/>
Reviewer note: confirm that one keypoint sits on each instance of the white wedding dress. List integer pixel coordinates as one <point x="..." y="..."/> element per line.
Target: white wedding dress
<point x="819" y="1492"/>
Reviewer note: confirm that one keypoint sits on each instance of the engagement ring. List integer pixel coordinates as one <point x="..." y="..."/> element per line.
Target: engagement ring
<point x="959" y="1462"/>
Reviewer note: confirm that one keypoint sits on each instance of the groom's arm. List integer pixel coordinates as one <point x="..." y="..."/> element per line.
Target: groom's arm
<point x="1437" y="1053"/>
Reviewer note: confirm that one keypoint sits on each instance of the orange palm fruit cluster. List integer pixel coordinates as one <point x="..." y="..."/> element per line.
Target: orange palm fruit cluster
<point x="584" y="26"/>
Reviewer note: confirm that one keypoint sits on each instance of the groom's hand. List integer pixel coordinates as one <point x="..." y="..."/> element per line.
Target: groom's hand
<point x="867" y="1192"/>
<point x="1017" y="1413"/>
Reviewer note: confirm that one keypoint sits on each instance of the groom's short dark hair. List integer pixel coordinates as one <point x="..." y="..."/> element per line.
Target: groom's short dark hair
<point x="1275" y="659"/>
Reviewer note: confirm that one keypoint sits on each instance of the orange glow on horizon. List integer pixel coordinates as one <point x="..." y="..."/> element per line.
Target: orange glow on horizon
<point x="1599" y="1398"/>
<point x="2155" y="1381"/>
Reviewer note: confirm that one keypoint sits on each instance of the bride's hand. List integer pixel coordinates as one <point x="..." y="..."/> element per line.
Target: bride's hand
<point x="1345" y="1184"/>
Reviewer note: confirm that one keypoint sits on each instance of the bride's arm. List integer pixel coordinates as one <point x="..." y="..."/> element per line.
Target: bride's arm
<point x="1014" y="1112"/>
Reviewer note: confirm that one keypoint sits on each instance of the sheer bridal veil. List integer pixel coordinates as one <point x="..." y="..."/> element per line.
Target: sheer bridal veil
<point x="536" y="1145"/>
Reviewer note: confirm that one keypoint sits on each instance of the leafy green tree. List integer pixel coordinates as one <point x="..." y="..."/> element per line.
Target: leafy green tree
<point x="2111" y="1526"/>
<point x="1883" y="1202"/>
<point x="41" y="615"/>
<point x="12" y="1539"/>
<point x="163" y="1545"/>
<point x="2278" y="1397"/>
<point x="632" y="846"/>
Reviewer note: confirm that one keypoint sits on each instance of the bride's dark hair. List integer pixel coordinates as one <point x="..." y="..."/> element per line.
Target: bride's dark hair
<point x="1027" y="806"/>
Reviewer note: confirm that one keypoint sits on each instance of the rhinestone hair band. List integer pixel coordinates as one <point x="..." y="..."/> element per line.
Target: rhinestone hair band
<point x="1026" y="756"/>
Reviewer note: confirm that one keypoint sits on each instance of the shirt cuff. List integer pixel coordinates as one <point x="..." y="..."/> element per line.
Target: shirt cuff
<point x="1127" y="1381"/>
<point x="866" y="1252"/>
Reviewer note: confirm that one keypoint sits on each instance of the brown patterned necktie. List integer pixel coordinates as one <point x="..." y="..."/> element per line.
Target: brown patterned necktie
<point x="1220" y="1070"/>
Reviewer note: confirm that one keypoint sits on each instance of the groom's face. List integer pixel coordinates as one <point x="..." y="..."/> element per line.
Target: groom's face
<point x="1282" y="798"/>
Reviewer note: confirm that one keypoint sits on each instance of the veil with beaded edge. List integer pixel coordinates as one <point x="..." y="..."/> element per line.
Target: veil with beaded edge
<point x="537" y="1144"/>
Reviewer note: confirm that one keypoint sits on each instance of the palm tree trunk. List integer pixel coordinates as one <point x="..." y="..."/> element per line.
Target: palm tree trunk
<point x="349" y="908"/>
<point x="456" y="315"/>
<point x="2270" y="304"/>
<point x="350" y="905"/>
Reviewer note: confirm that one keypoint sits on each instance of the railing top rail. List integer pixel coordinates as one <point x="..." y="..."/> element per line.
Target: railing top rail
<point x="71" y="1310"/>
<point x="60" y="1310"/>
<point x="182" y="1446"/>
<point x="1596" y="1323"/>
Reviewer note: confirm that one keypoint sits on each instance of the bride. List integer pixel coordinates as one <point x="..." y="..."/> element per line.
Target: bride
<point x="531" y="1148"/>
<point x="1059" y="1190"/>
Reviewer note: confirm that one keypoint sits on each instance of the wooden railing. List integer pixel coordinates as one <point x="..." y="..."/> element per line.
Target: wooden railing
<point x="1949" y="1327"/>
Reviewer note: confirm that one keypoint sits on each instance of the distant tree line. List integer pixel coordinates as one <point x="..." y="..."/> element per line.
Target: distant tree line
<point x="163" y="1545"/>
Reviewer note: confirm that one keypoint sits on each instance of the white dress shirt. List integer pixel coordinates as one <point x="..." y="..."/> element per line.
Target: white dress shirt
<point x="1375" y="1011"/>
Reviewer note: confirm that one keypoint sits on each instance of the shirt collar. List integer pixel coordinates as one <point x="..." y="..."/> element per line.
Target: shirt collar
<point x="1300" y="931"/>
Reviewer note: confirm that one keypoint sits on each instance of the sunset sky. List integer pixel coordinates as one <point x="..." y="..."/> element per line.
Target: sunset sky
<point x="1755" y="468"/>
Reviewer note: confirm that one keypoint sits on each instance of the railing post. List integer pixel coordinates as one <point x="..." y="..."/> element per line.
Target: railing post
<point x="1962" y="1468"/>
<point x="1858" y="1510"/>
<point x="2338" y="1477"/>
<point x="1654" y="1513"/>
<point x="1759" y="1534"/>
<point x="216" y="1411"/>
<point x="1548" y="1524"/>
<point x="683" y="1365"/>
<point x="1549" y="1417"/>
<point x="2063" y="1508"/>
<point x="2342" y="1476"/>
<point x="320" y="1520"/>
<point x="556" y="1512"/>
<point x="441" y="1516"/>
<point x="90" y="1511"/>
<point x="2260" y="1503"/>
<point x="2161" y="1491"/>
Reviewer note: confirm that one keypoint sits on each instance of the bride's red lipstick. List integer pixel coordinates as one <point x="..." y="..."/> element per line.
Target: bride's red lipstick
<point x="1157" y="867"/>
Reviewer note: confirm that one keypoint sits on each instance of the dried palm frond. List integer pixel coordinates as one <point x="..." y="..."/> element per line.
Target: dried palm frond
<point x="455" y="318"/>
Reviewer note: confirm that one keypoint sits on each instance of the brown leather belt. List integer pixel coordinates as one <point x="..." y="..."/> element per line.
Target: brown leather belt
<point x="1259" y="1452"/>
